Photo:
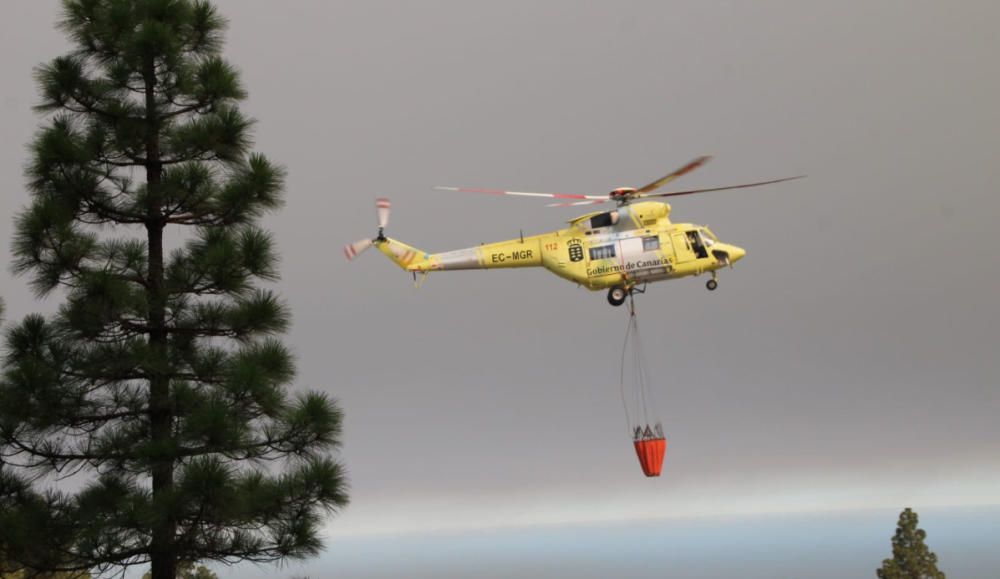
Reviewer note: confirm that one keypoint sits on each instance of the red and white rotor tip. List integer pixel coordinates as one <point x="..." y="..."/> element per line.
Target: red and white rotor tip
<point x="355" y="249"/>
<point x="382" y="211"/>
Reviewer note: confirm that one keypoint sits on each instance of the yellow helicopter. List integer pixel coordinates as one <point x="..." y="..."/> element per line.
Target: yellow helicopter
<point x="619" y="250"/>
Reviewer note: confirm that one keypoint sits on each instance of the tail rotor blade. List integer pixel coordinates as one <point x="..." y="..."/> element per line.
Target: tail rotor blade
<point x="357" y="248"/>
<point x="382" y="210"/>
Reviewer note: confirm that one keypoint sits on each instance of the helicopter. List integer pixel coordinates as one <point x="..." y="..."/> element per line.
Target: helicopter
<point x="620" y="250"/>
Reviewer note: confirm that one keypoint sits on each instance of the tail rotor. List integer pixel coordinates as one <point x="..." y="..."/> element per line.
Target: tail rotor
<point x="355" y="249"/>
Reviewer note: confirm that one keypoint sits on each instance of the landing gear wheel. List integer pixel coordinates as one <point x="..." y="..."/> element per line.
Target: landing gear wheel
<point x="617" y="295"/>
<point x="711" y="285"/>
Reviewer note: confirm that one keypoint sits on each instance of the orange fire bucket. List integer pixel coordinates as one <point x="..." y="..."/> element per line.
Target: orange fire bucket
<point x="650" y="452"/>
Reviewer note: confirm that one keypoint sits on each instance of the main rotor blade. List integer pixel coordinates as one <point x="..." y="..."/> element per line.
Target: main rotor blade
<point x="679" y="172"/>
<point x="575" y="203"/>
<point x="382" y="211"/>
<point x="524" y="193"/>
<point x="357" y="248"/>
<point x="693" y="191"/>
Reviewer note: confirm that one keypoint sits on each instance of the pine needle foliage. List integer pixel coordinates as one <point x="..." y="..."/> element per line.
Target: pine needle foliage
<point x="911" y="559"/>
<point x="161" y="382"/>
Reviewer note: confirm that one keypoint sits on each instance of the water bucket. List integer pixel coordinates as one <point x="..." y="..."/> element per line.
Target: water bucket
<point x="650" y="452"/>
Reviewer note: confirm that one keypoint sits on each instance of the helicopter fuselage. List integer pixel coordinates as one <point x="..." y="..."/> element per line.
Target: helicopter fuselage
<point x="633" y="244"/>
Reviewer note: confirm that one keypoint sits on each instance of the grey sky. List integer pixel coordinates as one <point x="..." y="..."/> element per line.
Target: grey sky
<point x="848" y="361"/>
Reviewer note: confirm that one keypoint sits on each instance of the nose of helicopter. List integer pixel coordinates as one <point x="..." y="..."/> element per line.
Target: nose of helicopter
<point x="736" y="253"/>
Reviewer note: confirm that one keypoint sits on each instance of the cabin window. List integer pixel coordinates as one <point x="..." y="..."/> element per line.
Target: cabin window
<point x="602" y="252"/>
<point x="604" y="219"/>
<point x="650" y="243"/>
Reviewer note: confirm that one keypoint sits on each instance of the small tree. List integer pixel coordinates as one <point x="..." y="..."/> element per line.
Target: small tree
<point x="28" y="574"/>
<point x="160" y="384"/>
<point x="25" y="574"/>
<point x="186" y="570"/>
<point x="911" y="559"/>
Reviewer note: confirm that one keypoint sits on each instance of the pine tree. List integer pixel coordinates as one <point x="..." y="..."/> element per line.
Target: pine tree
<point x="911" y="559"/>
<point x="160" y="387"/>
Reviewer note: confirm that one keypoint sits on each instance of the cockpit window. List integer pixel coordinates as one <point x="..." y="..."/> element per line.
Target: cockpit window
<point x="709" y="237"/>
<point x="696" y="244"/>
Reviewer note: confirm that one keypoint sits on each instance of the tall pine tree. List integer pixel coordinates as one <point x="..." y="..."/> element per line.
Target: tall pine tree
<point x="159" y="388"/>
<point x="911" y="559"/>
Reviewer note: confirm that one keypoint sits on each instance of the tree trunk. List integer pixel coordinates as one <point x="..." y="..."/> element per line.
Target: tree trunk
<point x="163" y="557"/>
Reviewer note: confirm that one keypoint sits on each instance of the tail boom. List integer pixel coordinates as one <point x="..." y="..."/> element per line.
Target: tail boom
<point x="504" y="254"/>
